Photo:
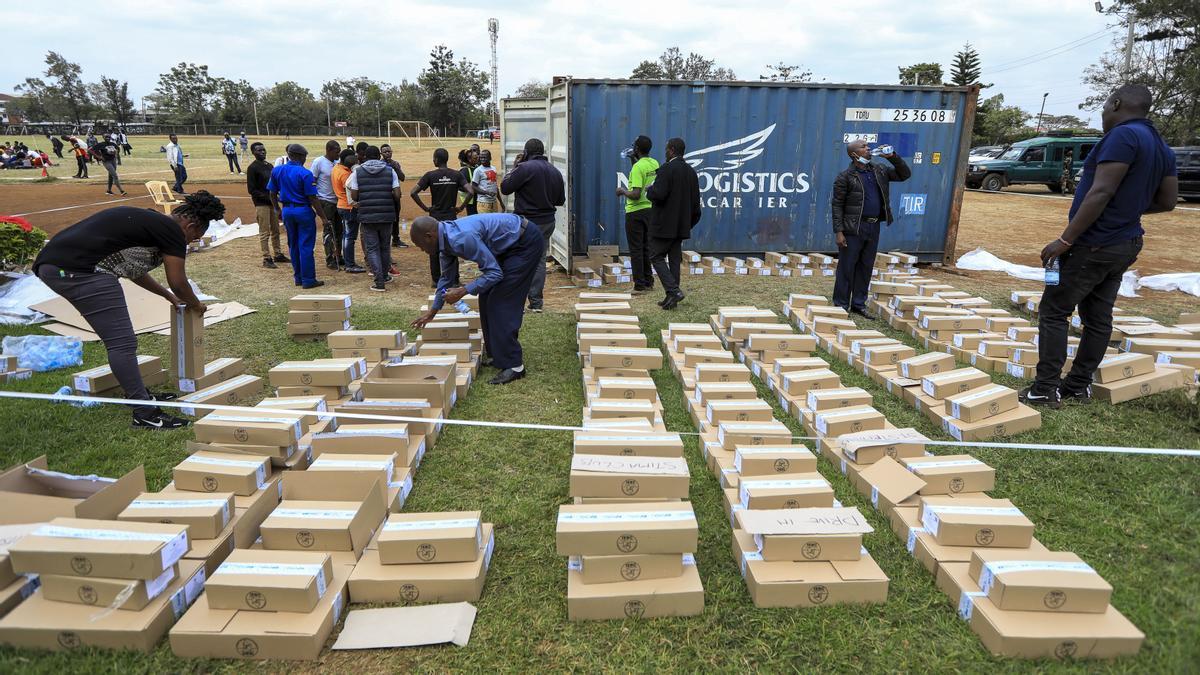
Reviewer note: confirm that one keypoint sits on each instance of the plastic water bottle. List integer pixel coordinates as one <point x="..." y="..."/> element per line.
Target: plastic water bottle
<point x="881" y="150"/>
<point x="462" y="307"/>
<point x="1053" y="272"/>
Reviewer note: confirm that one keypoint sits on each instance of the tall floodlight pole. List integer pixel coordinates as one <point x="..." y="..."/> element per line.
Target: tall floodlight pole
<point x="494" y="33"/>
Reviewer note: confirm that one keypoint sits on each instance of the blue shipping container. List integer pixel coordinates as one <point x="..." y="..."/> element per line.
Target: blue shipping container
<point x="766" y="155"/>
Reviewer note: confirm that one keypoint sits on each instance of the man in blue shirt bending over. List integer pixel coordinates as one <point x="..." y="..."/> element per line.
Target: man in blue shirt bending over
<point x="508" y="251"/>
<point x="1131" y="171"/>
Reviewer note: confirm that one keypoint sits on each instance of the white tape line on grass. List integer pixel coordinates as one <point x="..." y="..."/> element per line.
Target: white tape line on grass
<point x="1121" y="450"/>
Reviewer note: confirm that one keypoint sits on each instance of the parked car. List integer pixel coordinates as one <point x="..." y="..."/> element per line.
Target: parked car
<point x="987" y="151"/>
<point x="1037" y="160"/>
<point x="1187" y="163"/>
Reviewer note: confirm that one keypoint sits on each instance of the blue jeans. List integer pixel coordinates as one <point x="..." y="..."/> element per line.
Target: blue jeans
<point x="180" y="177"/>
<point x="301" y="225"/>
<point x="349" y="234"/>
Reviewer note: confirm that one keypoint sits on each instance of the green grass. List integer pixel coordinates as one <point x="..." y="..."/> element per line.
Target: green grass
<point x="1135" y="519"/>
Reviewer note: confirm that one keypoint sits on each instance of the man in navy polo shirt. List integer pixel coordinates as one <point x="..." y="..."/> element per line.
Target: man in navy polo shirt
<point x="294" y="197"/>
<point x="1131" y="171"/>
<point x="508" y="249"/>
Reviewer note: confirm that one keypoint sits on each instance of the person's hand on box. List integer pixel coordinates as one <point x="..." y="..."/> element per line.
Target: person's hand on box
<point x="424" y="319"/>
<point x="455" y="294"/>
<point x="198" y="307"/>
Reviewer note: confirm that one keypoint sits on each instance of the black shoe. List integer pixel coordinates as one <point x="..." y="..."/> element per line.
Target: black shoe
<point x="507" y="375"/>
<point x="860" y="311"/>
<point x="1028" y="397"/>
<point x="158" y="420"/>
<point x="281" y="258"/>
<point x="270" y="264"/>
<point x="673" y="300"/>
<point x="1081" y="397"/>
<point x="663" y="302"/>
<point x="314" y="284"/>
<point x="536" y="310"/>
<point x="163" y="396"/>
<point x="355" y="269"/>
<point x="332" y="265"/>
<point x="297" y="283"/>
<point x="638" y="290"/>
<point x="486" y="362"/>
<point x="378" y="287"/>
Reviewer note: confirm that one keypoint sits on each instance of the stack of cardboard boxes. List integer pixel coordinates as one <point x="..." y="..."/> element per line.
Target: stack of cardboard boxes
<point x="270" y="602"/>
<point x="456" y="338"/>
<point x="630" y="534"/>
<point x="100" y="381"/>
<point x="313" y="316"/>
<point x="425" y="557"/>
<point x="373" y="346"/>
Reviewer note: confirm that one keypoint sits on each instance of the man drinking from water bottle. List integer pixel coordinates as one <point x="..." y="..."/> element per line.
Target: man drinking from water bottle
<point x="1131" y="171"/>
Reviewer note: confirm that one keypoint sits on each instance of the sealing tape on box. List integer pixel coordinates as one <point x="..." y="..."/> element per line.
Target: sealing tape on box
<point x="987" y="576"/>
<point x="966" y="603"/>
<point x="942" y="464"/>
<point x="911" y="545"/>
<point x="749" y="557"/>
<point x="930" y="514"/>
<point x="626" y="517"/>
<point x="405" y="526"/>
<point x="323" y="514"/>
<point x="293" y="422"/>
<point x="183" y="504"/>
<point x="278" y="569"/>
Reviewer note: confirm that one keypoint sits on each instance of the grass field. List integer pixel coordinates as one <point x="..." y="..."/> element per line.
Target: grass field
<point x="205" y="163"/>
<point x="1135" y="519"/>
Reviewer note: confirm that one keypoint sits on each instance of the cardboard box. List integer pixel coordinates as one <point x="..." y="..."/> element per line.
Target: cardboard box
<point x="1161" y="379"/>
<point x="99" y="548"/>
<point x="311" y="373"/>
<point x="215" y="372"/>
<point x="738" y="410"/>
<point x="204" y="632"/>
<point x="589" y="340"/>
<point x="981" y="403"/>
<point x="805" y="533"/>
<point x="887" y="354"/>
<point x="318" y="302"/>
<point x="624" y="528"/>
<point x="628" y="388"/>
<point x="628" y="444"/>
<point x="606" y="569"/>
<point x="101" y="378"/>
<point x="947" y="383"/>
<point x="808" y="583"/>
<point x="245" y="428"/>
<point x="187" y="343"/>
<point x="372" y="439"/>
<point x="204" y="515"/>
<point x="639" y="599"/>
<point x="1043" y="635"/>
<point x="1124" y="366"/>
<point x="891" y="487"/>
<point x="848" y="420"/>
<point x="868" y="447"/>
<point x="785" y="491"/>
<point x="926" y="364"/>
<point x="229" y="392"/>
<point x="721" y="372"/>
<point x="373" y="581"/>
<point x="41" y="623"/>
<point x="270" y="581"/>
<point x="367" y="339"/>
<point x="975" y="522"/>
<point x="842" y="397"/>
<point x="31" y="493"/>
<point x="1021" y="418"/>
<point x="617" y="476"/>
<point x="327" y="393"/>
<point x="600" y="408"/>
<point x="214" y="472"/>
<point x="324" y="512"/>
<point x="732" y="434"/>
<point x="770" y="460"/>
<point x="800" y="382"/>
<point x="1039" y="581"/>
<point x="416" y="538"/>
<point x="329" y="316"/>
<point x="435" y="383"/>
<point x="951" y="474"/>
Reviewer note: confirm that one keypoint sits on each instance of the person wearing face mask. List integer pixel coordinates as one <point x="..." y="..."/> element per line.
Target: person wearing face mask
<point x="860" y="204"/>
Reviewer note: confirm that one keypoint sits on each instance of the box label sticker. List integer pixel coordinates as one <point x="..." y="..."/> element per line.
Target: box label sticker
<point x="626" y="517"/>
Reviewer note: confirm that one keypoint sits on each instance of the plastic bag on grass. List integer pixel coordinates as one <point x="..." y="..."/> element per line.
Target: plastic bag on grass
<point x="44" y="352"/>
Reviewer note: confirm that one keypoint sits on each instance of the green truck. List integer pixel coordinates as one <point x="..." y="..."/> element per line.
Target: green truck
<point x="1037" y="160"/>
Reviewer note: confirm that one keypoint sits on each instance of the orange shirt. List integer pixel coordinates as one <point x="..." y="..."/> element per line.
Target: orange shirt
<point x="341" y="174"/>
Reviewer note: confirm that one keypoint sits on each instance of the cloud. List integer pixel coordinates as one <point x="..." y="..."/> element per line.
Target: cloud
<point x="312" y="41"/>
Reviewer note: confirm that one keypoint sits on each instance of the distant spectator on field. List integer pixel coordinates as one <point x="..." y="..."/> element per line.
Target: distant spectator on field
<point x="487" y="189"/>
<point x="350" y="143"/>
<point x="467" y="161"/>
<point x="125" y="146"/>
<point x="91" y="139"/>
<point x="258" y="175"/>
<point x="56" y="144"/>
<point x="322" y="170"/>
<point x="81" y="155"/>
<point x="347" y="211"/>
<point x="539" y="189"/>
<point x="443" y="184"/>
<point x="386" y="151"/>
<point x="109" y="155"/>
<point x="175" y="160"/>
<point x="243" y="142"/>
<point x="229" y="148"/>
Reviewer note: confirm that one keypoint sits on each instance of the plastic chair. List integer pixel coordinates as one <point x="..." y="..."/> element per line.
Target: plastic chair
<point x="161" y="193"/>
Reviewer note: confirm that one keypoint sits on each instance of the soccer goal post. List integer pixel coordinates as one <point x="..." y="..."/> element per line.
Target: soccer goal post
<point x="412" y="132"/>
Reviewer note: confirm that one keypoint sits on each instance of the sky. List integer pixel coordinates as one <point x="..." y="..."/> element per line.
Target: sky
<point x="1027" y="47"/>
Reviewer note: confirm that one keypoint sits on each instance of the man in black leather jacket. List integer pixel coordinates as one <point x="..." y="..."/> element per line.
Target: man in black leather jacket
<point x="860" y="203"/>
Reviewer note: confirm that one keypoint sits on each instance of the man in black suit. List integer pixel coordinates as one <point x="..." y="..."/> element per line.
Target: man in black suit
<point x="675" y="196"/>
